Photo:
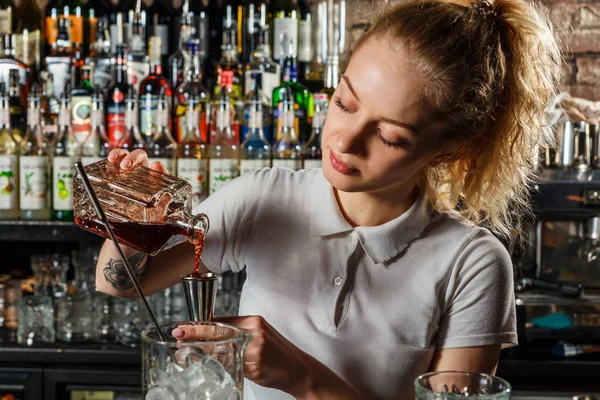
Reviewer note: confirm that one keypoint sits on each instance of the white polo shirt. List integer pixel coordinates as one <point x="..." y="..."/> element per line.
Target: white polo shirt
<point x="371" y="303"/>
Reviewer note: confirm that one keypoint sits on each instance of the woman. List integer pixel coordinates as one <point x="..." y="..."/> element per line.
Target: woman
<point x="360" y="275"/>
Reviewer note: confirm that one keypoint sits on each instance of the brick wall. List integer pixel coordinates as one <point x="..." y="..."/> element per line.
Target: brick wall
<point x="577" y="23"/>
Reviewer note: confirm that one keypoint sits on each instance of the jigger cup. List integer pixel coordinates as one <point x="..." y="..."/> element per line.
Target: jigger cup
<point x="200" y="295"/>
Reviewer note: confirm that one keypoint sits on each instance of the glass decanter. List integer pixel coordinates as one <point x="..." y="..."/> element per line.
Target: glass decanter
<point x="147" y="210"/>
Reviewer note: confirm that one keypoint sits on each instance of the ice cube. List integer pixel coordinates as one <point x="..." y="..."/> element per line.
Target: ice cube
<point x="160" y="393"/>
<point x="188" y="355"/>
<point x="170" y="370"/>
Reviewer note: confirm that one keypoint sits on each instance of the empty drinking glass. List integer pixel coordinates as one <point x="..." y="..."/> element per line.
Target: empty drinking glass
<point x="74" y="317"/>
<point x="59" y="266"/>
<point x="104" y="322"/>
<point x="36" y="312"/>
<point x="458" y="385"/>
<point x="131" y="319"/>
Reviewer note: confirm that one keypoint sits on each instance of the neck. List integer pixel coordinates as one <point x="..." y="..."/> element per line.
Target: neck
<point x="376" y="208"/>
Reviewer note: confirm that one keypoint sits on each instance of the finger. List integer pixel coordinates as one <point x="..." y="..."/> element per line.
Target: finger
<point x="202" y="332"/>
<point x="116" y="155"/>
<point x="159" y="167"/>
<point x="135" y="158"/>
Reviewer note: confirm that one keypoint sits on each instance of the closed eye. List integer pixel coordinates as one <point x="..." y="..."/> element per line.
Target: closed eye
<point x="395" y="145"/>
<point x="338" y="102"/>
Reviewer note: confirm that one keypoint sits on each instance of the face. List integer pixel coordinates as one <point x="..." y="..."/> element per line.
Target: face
<point x="379" y="135"/>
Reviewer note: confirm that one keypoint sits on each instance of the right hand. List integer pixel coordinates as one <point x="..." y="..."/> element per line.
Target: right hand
<point x="127" y="160"/>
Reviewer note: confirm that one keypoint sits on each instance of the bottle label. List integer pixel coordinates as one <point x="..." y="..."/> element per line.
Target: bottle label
<point x="292" y="164"/>
<point x="102" y="75"/>
<point x="195" y="172"/>
<point x="81" y="126"/>
<point x="33" y="174"/>
<point x="270" y="81"/>
<point x="27" y="47"/>
<point x="286" y="29"/>
<point x="63" y="172"/>
<point x="222" y="170"/>
<point x="8" y="178"/>
<point x="169" y="163"/>
<point x="90" y="160"/>
<point x="6" y="20"/>
<point x="115" y="120"/>
<point x="76" y="29"/>
<point x="252" y="165"/>
<point x="309" y="164"/>
<point x="51" y="30"/>
<point x="148" y="114"/>
<point x="136" y="72"/>
<point x="304" y="41"/>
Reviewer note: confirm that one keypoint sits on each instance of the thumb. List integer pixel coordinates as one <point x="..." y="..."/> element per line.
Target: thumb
<point x="159" y="167"/>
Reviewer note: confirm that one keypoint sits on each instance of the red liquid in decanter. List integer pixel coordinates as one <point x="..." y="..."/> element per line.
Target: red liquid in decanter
<point x="198" y="243"/>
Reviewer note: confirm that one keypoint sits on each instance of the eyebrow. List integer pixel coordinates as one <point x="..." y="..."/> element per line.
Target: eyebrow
<point x="411" y="128"/>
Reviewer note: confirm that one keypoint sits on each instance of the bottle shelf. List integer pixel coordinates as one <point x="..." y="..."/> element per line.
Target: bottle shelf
<point x="44" y="231"/>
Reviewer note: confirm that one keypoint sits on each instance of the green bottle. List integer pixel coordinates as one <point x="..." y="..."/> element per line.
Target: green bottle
<point x="302" y="100"/>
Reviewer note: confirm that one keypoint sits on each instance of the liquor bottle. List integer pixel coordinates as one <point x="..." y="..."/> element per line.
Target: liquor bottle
<point x="160" y="16"/>
<point x="256" y="21"/>
<point x="332" y="75"/>
<point x="192" y="160"/>
<point x="33" y="168"/>
<point x="229" y="60"/>
<point x="254" y="83"/>
<point x="115" y="104"/>
<point x="301" y="96"/>
<point x="138" y="59"/>
<point x="261" y="62"/>
<point x="8" y="64"/>
<point x="224" y="148"/>
<point x="255" y="150"/>
<point x="18" y="112"/>
<point x="63" y="169"/>
<point x="312" y="153"/>
<point x="319" y="44"/>
<point x="150" y="89"/>
<point x="133" y="139"/>
<point x="59" y="62"/>
<point x="236" y="100"/>
<point x="28" y="34"/>
<point x="81" y="105"/>
<point x="99" y="58"/>
<point x="288" y="151"/>
<point x="7" y="8"/>
<point x="285" y="29"/>
<point x="49" y="108"/>
<point x="191" y="88"/>
<point x="74" y="8"/>
<point x="305" y="45"/>
<point x="9" y="201"/>
<point x="95" y="13"/>
<point x="97" y="146"/>
<point x="163" y="148"/>
<point x="54" y="10"/>
<point x="177" y="60"/>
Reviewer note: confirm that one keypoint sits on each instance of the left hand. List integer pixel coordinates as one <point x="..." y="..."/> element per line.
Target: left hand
<point x="270" y="359"/>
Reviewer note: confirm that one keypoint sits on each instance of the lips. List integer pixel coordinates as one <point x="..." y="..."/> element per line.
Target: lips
<point x="340" y="166"/>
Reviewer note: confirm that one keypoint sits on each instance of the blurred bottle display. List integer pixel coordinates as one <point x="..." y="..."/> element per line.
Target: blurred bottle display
<point x="74" y="9"/>
<point x="288" y="151"/>
<point x="28" y="34"/>
<point x="63" y="169"/>
<point x="312" y="153"/>
<point x="7" y="8"/>
<point x="9" y="189"/>
<point x="138" y="67"/>
<point x="59" y="62"/>
<point x="133" y="139"/>
<point x="332" y="75"/>
<point x="192" y="160"/>
<point x="81" y="106"/>
<point x="96" y="146"/>
<point x="224" y="148"/>
<point x="229" y="64"/>
<point x="235" y="97"/>
<point x="49" y="109"/>
<point x="254" y="86"/>
<point x="33" y="168"/>
<point x="285" y="29"/>
<point x="115" y="103"/>
<point x="8" y="64"/>
<point x="255" y="23"/>
<point x="151" y="88"/>
<point x="255" y="150"/>
<point x="163" y="148"/>
<point x="191" y="88"/>
<point x="96" y="18"/>
<point x="99" y="57"/>
<point x="305" y="46"/>
<point x="261" y="62"/>
<point x="160" y="18"/>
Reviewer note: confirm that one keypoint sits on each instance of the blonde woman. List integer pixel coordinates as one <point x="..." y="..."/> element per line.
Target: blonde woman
<point x="361" y="276"/>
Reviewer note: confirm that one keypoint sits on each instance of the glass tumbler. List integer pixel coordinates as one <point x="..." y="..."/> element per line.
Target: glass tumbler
<point x="74" y="319"/>
<point x="459" y="385"/>
<point x="36" y="320"/>
<point x="210" y="368"/>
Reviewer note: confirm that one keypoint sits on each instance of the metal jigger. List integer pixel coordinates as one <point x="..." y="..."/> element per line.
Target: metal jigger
<point x="200" y="295"/>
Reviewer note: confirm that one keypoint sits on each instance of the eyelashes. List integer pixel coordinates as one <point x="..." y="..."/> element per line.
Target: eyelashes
<point x="390" y="144"/>
<point x="338" y="102"/>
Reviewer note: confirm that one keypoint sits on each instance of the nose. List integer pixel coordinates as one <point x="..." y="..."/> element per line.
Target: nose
<point x="351" y="139"/>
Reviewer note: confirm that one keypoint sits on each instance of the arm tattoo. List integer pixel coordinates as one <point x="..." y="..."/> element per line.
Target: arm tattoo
<point x="116" y="274"/>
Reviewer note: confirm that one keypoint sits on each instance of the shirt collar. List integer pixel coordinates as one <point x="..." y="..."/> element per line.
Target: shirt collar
<point x="381" y="243"/>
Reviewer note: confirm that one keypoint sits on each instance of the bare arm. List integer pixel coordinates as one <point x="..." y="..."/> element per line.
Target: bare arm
<point x="476" y="359"/>
<point x="154" y="273"/>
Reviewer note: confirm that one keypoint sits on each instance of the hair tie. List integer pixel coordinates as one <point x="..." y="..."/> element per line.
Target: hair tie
<point x="483" y="8"/>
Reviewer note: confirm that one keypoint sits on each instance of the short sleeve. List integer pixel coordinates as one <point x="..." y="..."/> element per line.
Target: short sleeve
<point x="479" y="299"/>
<point x="232" y="213"/>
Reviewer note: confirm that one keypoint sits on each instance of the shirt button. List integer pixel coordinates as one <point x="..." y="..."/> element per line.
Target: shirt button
<point x="337" y="281"/>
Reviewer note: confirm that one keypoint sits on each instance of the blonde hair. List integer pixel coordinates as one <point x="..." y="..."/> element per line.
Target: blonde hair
<point x="492" y="68"/>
